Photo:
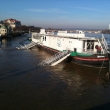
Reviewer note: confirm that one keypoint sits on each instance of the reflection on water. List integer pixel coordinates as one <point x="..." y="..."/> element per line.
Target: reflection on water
<point x="26" y="86"/>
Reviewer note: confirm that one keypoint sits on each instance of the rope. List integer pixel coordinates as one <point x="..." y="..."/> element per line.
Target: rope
<point x="101" y="66"/>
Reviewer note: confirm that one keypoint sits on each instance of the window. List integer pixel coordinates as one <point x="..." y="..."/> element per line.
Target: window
<point x="43" y="38"/>
<point x="90" y="44"/>
<point x="70" y="41"/>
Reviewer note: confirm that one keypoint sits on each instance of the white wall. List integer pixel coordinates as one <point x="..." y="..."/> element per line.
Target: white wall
<point x="34" y="40"/>
<point x="77" y="35"/>
<point x="59" y="43"/>
<point x="13" y="25"/>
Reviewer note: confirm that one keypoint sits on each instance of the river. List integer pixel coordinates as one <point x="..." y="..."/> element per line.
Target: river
<point x="24" y="85"/>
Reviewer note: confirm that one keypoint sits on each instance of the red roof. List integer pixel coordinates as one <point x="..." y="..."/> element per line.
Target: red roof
<point x="12" y="20"/>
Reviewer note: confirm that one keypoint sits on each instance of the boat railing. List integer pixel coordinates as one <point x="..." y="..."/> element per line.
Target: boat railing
<point x="26" y="46"/>
<point x="89" y="51"/>
<point x="54" y="58"/>
<point x="93" y="52"/>
<point x="86" y="51"/>
<point x="104" y="44"/>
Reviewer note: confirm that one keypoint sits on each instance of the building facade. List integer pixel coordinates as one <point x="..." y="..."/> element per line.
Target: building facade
<point x="12" y="22"/>
<point x="3" y="30"/>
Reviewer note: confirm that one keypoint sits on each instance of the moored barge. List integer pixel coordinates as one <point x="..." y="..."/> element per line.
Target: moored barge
<point x="86" y="51"/>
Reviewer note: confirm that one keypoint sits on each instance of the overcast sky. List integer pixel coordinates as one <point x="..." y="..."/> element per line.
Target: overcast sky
<point x="89" y="14"/>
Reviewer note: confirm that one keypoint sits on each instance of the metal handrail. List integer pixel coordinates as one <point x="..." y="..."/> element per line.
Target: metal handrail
<point x="104" y="41"/>
<point x="54" y="58"/>
<point x="27" y="46"/>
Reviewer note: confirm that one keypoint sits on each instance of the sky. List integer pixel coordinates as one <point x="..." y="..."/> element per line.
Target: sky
<point x="87" y="14"/>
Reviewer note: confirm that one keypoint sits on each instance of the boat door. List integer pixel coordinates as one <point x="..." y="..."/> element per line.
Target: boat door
<point x="89" y="45"/>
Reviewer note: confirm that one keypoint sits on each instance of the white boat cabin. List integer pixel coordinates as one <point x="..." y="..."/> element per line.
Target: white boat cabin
<point x="66" y="41"/>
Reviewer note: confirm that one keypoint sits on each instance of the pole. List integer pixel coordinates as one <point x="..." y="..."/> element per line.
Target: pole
<point x="109" y="69"/>
<point x="108" y="73"/>
<point x="0" y="39"/>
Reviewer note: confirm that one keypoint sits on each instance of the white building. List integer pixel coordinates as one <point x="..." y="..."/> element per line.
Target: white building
<point x="3" y="30"/>
<point x="13" y="22"/>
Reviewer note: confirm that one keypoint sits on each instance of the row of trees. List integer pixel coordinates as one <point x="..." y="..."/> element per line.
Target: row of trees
<point x="107" y="31"/>
<point x="26" y="29"/>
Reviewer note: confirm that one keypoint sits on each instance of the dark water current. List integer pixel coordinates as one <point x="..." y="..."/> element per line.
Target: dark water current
<point x="26" y="86"/>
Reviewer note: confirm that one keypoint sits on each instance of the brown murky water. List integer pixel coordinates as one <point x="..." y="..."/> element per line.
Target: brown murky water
<point x="26" y="86"/>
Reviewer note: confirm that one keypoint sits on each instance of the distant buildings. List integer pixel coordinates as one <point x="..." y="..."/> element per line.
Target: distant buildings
<point x="3" y="29"/>
<point x="26" y="29"/>
<point x="12" y="22"/>
<point x="7" y="26"/>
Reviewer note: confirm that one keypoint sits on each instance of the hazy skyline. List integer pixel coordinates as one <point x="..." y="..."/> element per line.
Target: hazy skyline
<point x="89" y="14"/>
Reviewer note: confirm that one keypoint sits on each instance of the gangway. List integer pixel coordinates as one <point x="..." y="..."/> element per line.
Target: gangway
<point x="27" y="46"/>
<point x="104" y="44"/>
<point x="55" y="59"/>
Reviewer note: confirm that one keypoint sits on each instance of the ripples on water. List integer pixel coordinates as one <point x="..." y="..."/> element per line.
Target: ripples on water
<point x="26" y="86"/>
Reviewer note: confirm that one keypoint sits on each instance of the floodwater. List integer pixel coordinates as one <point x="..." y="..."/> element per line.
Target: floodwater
<point x="26" y="86"/>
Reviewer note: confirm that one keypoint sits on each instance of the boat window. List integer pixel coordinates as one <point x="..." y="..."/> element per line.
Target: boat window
<point x="45" y="38"/>
<point x="84" y="44"/>
<point x="90" y="44"/>
<point x="70" y="41"/>
<point x="36" y="36"/>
